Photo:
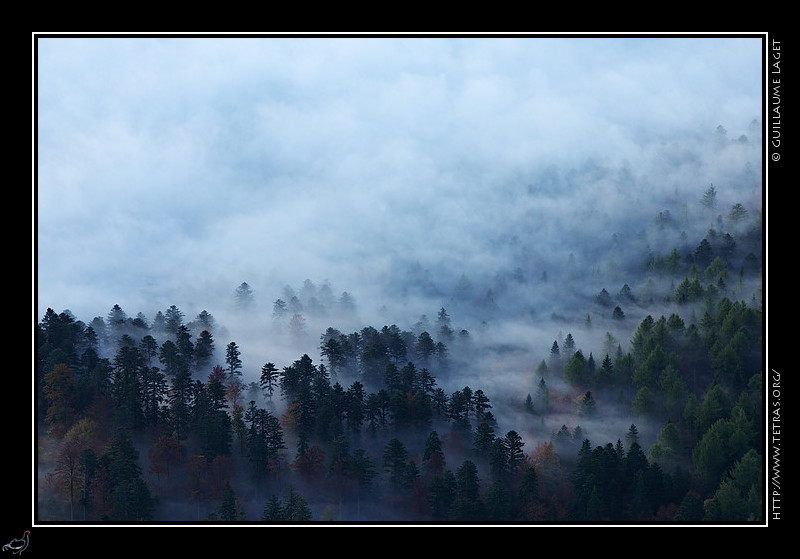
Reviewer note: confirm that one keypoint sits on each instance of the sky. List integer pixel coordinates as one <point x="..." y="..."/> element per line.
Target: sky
<point x="170" y="170"/>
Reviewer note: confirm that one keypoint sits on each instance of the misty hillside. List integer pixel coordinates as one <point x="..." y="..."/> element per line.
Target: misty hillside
<point x="423" y="280"/>
<point x="524" y="382"/>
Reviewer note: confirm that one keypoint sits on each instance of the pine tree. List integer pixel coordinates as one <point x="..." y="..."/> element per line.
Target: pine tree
<point x="555" y="352"/>
<point x="233" y="361"/>
<point x="605" y="374"/>
<point x="279" y="309"/>
<point x="153" y="394"/>
<point x="516" y="457"/>
<point x="126" y="388"/>
<point x="183" y="339"/>
<point x="588" y="406"/>
<point x="362" y="468"/>
<point x="498" y="503"/>
<point x="467" y="505"/>
<point x="433" y="456"/>
<point x="244" y="297"/>
<point x="481" y="404"/>
<point x="116" y="317"/>
<point x="709" y="199"/>
<point x="203" y="349"/>
<point x="425" y="348"/>
<point x="483" y="439"/>
<point x="269" y="378"/>
<point x="212" y="422"/>
<point x="528" y="494"/>
<point x="499" y="459"/>
<point x="130" y="494"/>
<point x="542" y="401"/>
<point x="575" y="369"/>
<point x="691" y="508"/>
<point x="703" y="254"/>
<point x="296" y="508"/>
<point x="149" y="348"/>
<point x="228" y="509"/>
<point x="173" y="319"/>
<point x="569" y="345"/>
<point x="442" y="490"/>
<point x="395" y="458"/>
<point x="529" y="403"/>
<point x="264" y="440"/>
<point x="179" y="397"/>
<point x="273" y="509"/>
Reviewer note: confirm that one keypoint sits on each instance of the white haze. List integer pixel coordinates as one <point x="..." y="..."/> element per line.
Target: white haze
<point x="171" y="170"/>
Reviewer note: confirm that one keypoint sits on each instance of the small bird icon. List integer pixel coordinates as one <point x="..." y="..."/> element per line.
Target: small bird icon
<point x="18" y="545"/>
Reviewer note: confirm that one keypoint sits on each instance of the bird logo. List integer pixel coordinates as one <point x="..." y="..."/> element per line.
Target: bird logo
<point x="18" y="545"/>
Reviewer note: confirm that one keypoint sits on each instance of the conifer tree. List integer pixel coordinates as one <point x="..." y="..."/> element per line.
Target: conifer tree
<point x="232" y="359"/>
<point x="395" y="458"/>
<point x="203" y="349"/>
<point x="228" y="509"/>
<point x="269" y="378"/>
<point x="516" y="456"/>
<point x="131" y="497"/>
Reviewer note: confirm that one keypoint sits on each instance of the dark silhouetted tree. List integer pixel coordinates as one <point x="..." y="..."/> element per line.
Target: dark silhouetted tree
<point x="228" y="509"/>
<point x="232" y="359"/>
<point x="269" y="378"/>
<point x="203" y="349"/>
<point x="130" y="495"/>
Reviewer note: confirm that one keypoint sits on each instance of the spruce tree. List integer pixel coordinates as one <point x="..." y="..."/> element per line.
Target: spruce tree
<point x="228" y="509"/>
<point x="233" y="361"/>
<point x="131" y="497"/>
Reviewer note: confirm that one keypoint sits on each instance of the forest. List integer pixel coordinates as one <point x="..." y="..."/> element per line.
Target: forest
<point x="644" y="406"/>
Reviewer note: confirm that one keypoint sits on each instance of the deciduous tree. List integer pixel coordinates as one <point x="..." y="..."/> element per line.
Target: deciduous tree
<point x="166" y="453"/>
<point x="59" y="392"/>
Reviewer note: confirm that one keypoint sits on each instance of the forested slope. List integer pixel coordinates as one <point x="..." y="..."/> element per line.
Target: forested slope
<point x="644" y="405"/>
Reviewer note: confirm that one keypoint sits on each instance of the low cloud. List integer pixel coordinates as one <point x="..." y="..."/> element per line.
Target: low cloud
<point x="171" y="170"/>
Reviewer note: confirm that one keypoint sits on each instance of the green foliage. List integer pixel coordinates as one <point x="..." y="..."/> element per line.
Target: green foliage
<point x="130" y="497"/>
<point x="725" y="442"/>
<point x="737" y="213"/>
<point x="715" y="405"/>
<point x="576" y="371"/>
<point x="674" y="390"/>
<point x="709" y="199"/>
<point x="739" y="495"/>
<point x="643" y="403"/>
<point x="689" y="291"/>
<point x="211" y="420"/>
<point x="292" y="508"/>
<point x="647" y="372"/>
<point x="588" y="406"/>
<point x="228" y="509"/>
<point x="395" y="458"/>
<point x="697" y="374"/>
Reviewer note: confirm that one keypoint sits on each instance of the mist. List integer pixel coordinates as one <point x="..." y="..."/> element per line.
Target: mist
<point x="171" y="170"/>
<point x="506" y="180"/>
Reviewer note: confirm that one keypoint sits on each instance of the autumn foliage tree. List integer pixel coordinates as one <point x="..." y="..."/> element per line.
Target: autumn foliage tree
<point x="698" y="376"/>
<point x="166" y="453"/>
